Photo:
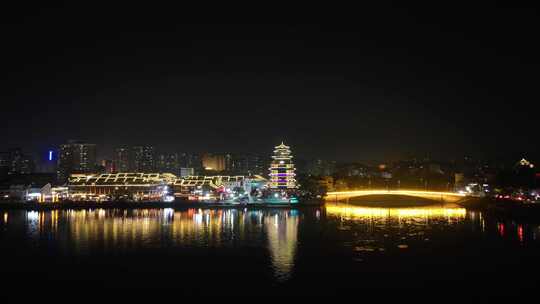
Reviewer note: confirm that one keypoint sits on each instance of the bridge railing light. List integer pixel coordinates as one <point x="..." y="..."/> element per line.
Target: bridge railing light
<point x="438" y="195"/>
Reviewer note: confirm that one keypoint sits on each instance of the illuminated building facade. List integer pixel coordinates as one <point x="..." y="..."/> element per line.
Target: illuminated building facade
<point x="76" y="157"/>
<point x="282" y="170"/>
<point x="129" y="186"/>
<point x="196" y="187"/>
<point x="214" y="162"/>
<point x="234" y="164"/>
<point x="148" y="187"/>
<point x="189" y="185"/>
<point x="159" y="187"/>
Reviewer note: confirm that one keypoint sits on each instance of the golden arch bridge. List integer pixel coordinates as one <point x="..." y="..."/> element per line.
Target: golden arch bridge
<point x="447" y="197"/>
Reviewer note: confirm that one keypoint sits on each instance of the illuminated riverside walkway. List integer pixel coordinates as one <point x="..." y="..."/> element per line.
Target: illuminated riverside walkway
<point x="447" y="197"/>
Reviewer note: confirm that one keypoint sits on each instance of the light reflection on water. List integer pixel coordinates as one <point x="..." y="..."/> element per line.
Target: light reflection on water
<point x="84" y="232"/>
<point x="367" y="213"/>
<point x="355" y="232"/>
<point x="367" y="229"/>
<point x="282" y="232"/>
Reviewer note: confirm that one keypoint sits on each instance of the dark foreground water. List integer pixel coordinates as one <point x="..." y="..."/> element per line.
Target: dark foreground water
<point x="337" y="249"/>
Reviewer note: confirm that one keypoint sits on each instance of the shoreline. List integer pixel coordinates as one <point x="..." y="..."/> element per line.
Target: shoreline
<point x="498" y="208"/>
<point x="144" y="205"/>
<point x="503" y="208"/>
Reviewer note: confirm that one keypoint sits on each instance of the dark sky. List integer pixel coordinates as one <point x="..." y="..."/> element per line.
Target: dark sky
<point x="390" y="83"/>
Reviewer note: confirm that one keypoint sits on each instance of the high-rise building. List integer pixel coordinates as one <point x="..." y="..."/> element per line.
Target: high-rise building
<point x="256" y="165"/>
<point x="247" y="164"/>
<point x="320" y="167"/>
<point x="14" y="161"/>
<point x="189" y="160"/>
<point x="214" y="162"/>
<point x="76" y="157"/>
<point x="168" y="163"/>
<point x="135" y="159"/>
<point x="228" y="160"/>
<point x="121" y="160"/>
<point x="282" y="170"/>
<point x="4" y="164"/>
<point x="238" y="164"/>
<point x="148" y="164"/>
<point x="47" y="162"/>
<point x="20" y="163"/>
<point x="142" y="159"/>
<point x="108" y="166"/>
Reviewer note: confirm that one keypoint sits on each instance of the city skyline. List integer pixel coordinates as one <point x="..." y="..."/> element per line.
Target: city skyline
<point x="157" y="152"/>
<point x="394" y="84"/>
<point x="377" y="147"/>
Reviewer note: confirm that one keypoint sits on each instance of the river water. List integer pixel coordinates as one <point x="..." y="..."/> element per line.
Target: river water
<point x="337" y="248"/>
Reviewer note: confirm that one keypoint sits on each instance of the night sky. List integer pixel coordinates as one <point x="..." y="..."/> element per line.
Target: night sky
<point x="391" y="83"/>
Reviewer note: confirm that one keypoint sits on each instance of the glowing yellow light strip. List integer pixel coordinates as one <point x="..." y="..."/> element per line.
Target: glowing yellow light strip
<point x="360" y="212"/>
<point x="395" y="192"/>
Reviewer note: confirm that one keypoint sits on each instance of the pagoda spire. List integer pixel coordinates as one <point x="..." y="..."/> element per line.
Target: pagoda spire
<point x="282" y="169"/>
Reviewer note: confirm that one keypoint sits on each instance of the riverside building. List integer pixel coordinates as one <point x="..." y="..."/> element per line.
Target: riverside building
<point x="121" y="186"/>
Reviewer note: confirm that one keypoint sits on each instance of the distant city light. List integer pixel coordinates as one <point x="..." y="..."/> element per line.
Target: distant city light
<point x="526" y="163"/>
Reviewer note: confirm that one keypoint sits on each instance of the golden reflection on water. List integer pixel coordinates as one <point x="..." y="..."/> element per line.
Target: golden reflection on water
<point x="83" y="231"/>
<point x="351" y="231"/>
<point x="361" y="213"/>
<point x="282" y="231"/>
<point x="367" y="230"/>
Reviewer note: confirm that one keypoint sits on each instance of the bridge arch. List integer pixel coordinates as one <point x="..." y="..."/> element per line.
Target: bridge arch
<point x="447" y="197"/>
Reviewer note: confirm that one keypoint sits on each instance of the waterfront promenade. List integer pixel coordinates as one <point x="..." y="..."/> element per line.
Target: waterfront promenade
<point x="179" y="204"/>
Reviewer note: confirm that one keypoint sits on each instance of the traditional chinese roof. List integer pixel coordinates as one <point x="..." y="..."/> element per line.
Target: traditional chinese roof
<point x="120" y="179"/>
<point x="282" y="146"/>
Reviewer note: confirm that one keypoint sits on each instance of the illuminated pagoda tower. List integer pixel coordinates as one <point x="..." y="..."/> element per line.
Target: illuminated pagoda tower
<point x="282" y="169"/>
